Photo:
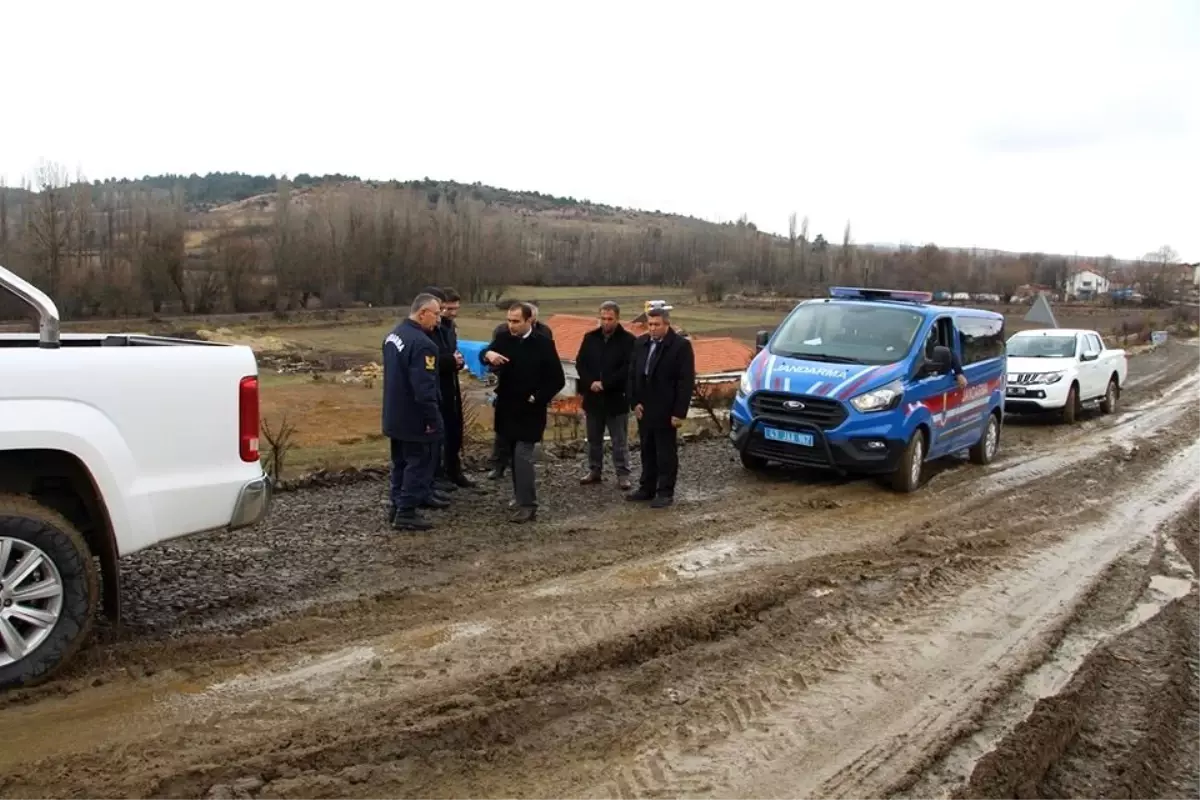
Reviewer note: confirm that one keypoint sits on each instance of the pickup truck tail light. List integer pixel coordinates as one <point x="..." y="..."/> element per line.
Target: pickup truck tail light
<point x="248" y="418"/>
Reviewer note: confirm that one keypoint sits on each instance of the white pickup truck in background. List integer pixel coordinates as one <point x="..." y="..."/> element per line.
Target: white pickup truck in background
<point x="109" y="444"/>
<point x="1062" y="369"/>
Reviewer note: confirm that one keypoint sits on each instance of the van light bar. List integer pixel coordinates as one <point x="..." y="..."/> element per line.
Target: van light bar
<point x="860" y="293"/>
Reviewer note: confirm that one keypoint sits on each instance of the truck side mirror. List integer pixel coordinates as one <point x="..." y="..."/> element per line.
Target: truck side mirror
<point x="760" y="340"/>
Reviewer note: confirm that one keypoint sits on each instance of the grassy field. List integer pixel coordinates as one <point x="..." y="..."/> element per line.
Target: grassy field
<point x="337" y="421"/>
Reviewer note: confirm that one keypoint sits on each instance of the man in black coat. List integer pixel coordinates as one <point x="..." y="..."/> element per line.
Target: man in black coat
<point x="661" y="381"/>
<point x="412" y="419"/>
<point x="448" y="476"/>
<point x="500" y="448"/>
<point x="603" y="366"/>
<point x="530" y="375"/>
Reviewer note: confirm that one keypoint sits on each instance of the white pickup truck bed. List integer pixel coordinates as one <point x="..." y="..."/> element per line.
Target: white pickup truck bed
<point x="109" y="444"/>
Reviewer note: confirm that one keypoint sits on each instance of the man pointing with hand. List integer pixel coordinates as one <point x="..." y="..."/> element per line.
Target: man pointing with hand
<point x="530" y="374"/>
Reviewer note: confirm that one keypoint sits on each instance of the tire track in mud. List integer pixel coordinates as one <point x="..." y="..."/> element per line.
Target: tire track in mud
<point x="950" y="669"/>
<point x="1134" y="700"/>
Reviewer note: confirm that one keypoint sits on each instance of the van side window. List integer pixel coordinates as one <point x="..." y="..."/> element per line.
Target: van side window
<point x="981" y="338"/>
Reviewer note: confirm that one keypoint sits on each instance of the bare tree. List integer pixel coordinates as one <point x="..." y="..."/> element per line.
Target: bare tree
<point x="50" y="224"/>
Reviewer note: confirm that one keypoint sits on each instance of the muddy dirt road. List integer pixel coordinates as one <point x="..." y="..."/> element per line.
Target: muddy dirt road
<point x="1024" y="629"/>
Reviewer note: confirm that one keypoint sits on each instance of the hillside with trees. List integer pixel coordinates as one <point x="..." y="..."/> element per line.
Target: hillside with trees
<point x="234" y="242"/>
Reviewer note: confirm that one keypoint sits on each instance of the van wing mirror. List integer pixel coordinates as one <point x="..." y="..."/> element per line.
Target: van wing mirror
<point x="760" y="340"/>
<point x="940" y="363"/>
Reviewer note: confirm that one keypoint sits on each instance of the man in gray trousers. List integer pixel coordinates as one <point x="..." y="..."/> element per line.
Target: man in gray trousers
<point x="530" y="375"/>
<point x="603" y="365"/>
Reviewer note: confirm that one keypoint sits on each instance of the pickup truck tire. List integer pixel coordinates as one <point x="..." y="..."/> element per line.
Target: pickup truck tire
<point x="29" y="529"/>
<point x="984" y="451"/>
<point x="1111" y="395"/>
<point x="907" y="477"/>
<point x="1070" y="411"/>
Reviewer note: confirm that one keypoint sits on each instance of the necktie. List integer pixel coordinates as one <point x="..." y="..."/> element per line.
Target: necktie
<point x="650" y="358"/>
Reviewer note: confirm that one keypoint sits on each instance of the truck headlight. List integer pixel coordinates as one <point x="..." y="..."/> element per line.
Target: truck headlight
<point x="1048" y="377"/>
<point x="744" y="385"/>
<point x="881" y="399"/>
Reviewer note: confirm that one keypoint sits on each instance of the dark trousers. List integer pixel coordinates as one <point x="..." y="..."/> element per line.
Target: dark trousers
<point x="412" y="472"/>
<point x="660" y="458"/>
<point x="618" y="430"/>
<point x="524" y="480"/>
<point x="501" y="452"/>
<point x="449" y="463"/>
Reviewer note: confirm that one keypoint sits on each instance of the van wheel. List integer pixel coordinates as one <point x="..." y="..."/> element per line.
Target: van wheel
<point x="907" y="477"/>
<point x="1070" y="411"/>
<point x="983" y="451"/>
<point x="49" y="591"/>
<point x="754" y="463"/>
<point x="1111" y="395"/>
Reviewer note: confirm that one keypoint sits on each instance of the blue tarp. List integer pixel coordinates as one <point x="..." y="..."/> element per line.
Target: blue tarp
<point x="471" y="351"/>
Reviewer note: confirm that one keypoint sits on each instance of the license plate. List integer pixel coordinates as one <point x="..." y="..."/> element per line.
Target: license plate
<point x="1016" y="390"/>
<point x="789" y="437"/>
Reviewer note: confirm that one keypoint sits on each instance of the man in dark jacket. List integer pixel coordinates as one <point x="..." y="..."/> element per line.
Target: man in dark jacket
<point x="448" y="476"/>
<point x="412" y="419"/>
<point x="530" y="375"/>
<point x="661" y="381"/>
<point x="603" y="366"/>
<point x="500" y="448"/>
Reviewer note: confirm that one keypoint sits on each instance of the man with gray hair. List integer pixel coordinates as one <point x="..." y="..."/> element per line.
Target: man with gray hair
<point x="603" y="366"/>
<point x="412" y="418"/>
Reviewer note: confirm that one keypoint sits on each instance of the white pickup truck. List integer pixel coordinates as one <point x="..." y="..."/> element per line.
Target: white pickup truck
<point x="1062" y="369"/>
<point x="109" y="444"/>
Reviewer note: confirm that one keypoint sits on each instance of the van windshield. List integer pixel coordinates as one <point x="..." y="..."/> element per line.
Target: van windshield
<point x="847" y="333"/>
<point x="1042" y="346"/>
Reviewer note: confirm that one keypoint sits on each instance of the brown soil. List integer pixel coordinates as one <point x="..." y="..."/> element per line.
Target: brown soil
<point x="783" y="635"/>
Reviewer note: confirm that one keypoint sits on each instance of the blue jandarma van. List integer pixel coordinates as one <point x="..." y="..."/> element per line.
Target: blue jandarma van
<point x="863" y="382"/>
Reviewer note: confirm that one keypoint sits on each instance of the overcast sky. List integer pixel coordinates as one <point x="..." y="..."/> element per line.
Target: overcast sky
<point x="1055" y="125"/>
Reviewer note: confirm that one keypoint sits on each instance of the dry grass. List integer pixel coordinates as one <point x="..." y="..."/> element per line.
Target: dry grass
<point x="337" y="425"/>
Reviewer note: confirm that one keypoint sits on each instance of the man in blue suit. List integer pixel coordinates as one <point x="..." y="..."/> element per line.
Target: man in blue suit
<point x="412" y="419"/>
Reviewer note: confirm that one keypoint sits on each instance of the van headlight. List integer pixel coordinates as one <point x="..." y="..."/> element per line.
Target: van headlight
<point x="744" y="385"/>
<point x="881" y="399"/>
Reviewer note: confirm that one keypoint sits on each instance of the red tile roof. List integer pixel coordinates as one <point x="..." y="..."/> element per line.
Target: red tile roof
<point x="724" y="354"/>
<point x="715" y="355"/>
<point x="569" y="330"/>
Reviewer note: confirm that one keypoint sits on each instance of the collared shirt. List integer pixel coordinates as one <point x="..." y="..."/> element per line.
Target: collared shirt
<point x="650" y="358"/>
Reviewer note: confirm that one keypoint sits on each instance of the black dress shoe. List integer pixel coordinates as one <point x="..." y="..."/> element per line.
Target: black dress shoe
<point x="462" y="481"/>
<point x="639" y="496"/>
<point x="409" y="520"/>
<point x="662" y="501"/>
<point x="434" y="502"/>
<point x="445" y="485"/>
<point x="523" y="514"/>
